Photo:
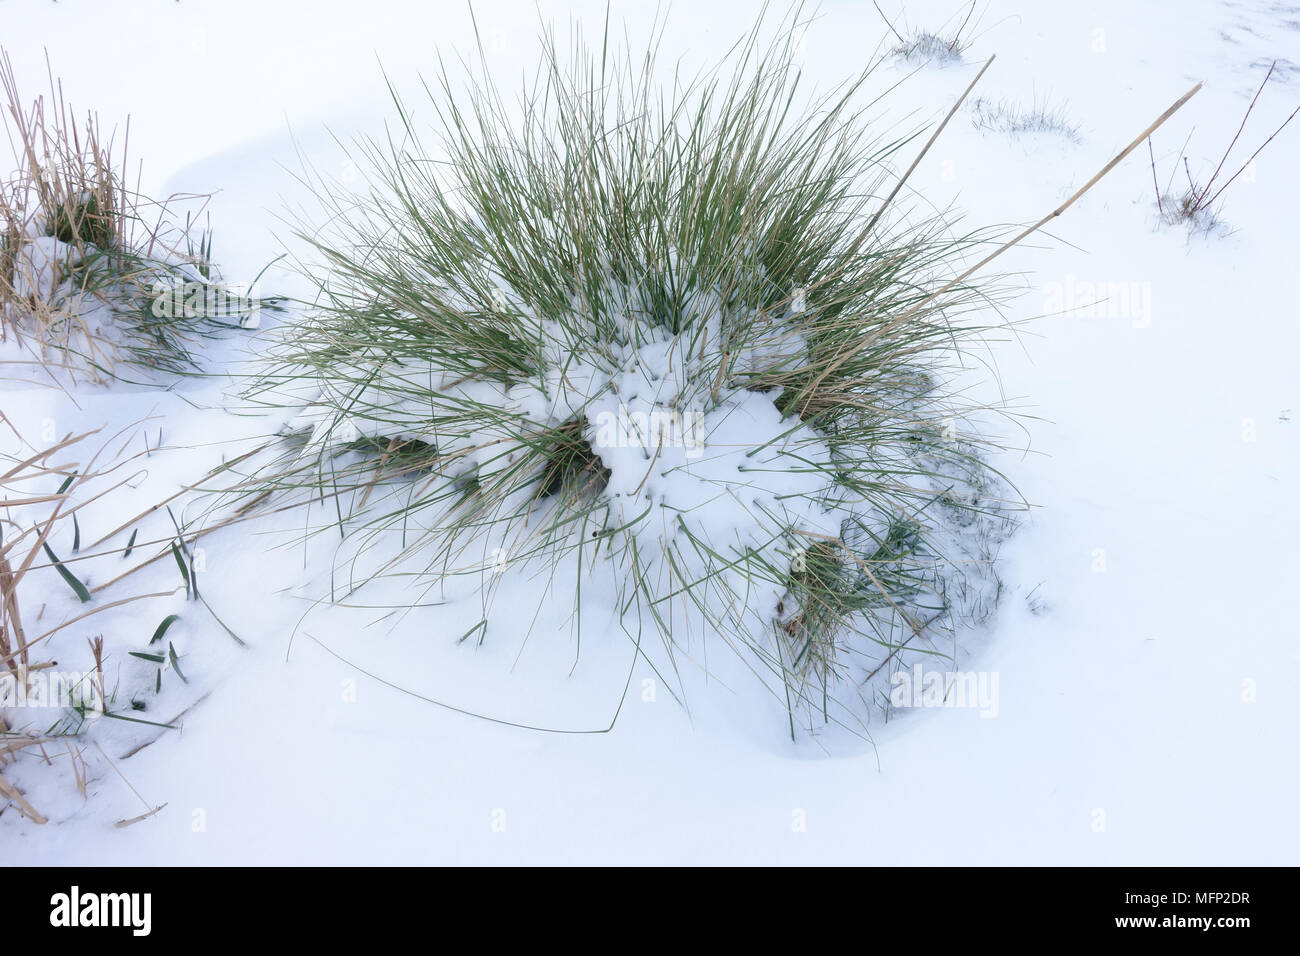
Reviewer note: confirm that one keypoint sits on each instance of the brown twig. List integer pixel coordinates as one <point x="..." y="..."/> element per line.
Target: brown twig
<point x="888" y="24"/>
<point x="10" y="792"/>
<point x="1199" y="199"/>
<point x="1252" y="157"/>
<point x="1154" y="179"/>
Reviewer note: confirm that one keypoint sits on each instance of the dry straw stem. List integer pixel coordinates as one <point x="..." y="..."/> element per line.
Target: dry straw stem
<point x="958" y="280"/>
<point x="190" y="537"/>
<point x="921" y="155"/>
<point x="11" y="793"/>
<point x="11" y="744"/>
<point x="170" y="498"/>
<point x="120" y="824"/>
<point x="1119" y="157"/>
<point x="16" y="562"/>
<point x="21" y="546"/>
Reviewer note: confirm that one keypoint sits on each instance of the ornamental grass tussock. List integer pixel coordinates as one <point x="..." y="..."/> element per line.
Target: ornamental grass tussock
<point x="674" y="335"/>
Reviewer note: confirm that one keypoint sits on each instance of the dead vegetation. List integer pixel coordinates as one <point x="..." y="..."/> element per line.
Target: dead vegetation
<point x="89" y="265"/>
<point x="29" y="517"/>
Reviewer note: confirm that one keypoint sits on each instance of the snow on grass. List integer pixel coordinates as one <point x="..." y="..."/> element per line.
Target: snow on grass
<point x="687" y="348"/>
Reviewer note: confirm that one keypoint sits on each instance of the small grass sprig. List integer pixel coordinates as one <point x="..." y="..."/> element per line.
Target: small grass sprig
<point x="943" y="46"/>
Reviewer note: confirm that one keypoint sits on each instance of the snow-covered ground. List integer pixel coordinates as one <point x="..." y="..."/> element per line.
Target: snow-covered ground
<point x="1144" y="643"/>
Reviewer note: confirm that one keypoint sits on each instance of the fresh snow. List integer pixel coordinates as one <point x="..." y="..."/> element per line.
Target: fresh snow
<point x="1145" y="637"/>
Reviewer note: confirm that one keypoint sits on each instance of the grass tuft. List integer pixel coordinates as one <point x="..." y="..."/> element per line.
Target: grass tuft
<point x="95" y="276"/>
<point x="1013" y="119"/>
<point x="944" y="47"/>
<point x="670" y="334"/>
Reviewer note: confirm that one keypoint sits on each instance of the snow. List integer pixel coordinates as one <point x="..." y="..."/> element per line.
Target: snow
<point x="40" y="261"/>
<point x="1143" y="645"/>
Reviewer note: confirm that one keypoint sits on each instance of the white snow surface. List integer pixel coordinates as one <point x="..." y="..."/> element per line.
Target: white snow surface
<point x="1146" y="636"/>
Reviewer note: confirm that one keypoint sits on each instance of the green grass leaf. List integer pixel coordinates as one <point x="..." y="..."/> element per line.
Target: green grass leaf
<point x="80" y="589"/>
<point x="176" y="664"/>
<point x="167" y="622"/>
<point x="185" y="572"/>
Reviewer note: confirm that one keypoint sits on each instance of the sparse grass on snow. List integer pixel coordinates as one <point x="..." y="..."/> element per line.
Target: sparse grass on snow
<point x="40" y="538"/>
<point x="1004" y="116"/>
<point x="943" y="46"/>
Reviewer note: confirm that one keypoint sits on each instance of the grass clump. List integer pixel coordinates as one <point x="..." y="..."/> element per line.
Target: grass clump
<point x="1011" y="118"/>
<point x="945" y="46"/>
<point x="95" y="276"/>
<point x="671" y="334"/>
